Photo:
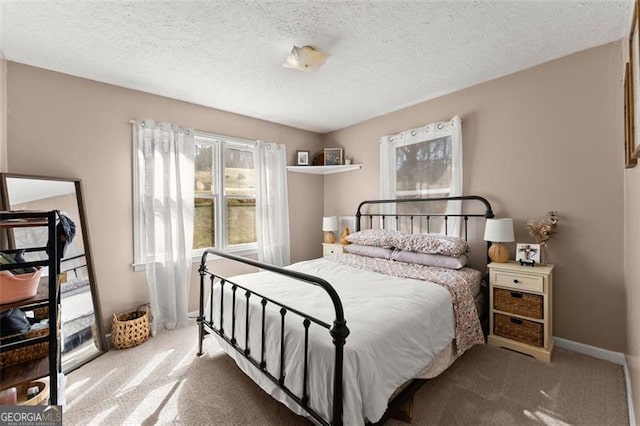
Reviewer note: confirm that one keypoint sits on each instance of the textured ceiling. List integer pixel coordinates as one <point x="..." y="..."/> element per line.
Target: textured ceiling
<point x="382" y="55"/>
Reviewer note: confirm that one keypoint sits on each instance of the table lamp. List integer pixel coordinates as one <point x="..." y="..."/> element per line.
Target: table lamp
<point x="499" y="231"/>
<point x="329" y="224"/>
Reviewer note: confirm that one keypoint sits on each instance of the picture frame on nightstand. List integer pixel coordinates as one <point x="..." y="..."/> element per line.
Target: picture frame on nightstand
<point x="528" y="254"/>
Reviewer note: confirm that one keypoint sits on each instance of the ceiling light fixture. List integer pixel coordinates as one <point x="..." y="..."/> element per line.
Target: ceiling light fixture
<point x="304" y="58"/>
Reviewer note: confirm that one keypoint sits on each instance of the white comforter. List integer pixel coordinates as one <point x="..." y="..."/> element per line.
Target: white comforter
<point x="397" y="327"/>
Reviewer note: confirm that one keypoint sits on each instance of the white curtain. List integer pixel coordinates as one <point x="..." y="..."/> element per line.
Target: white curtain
<point x="165" y="168"/>
<point x="389" y="163"/>
<point x="272" y="206"/>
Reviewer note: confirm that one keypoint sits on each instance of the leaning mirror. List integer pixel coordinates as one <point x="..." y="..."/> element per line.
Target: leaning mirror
<point x="82" y="336"/>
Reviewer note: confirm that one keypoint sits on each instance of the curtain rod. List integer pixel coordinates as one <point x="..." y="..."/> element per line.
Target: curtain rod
<point x="223" y="137"/>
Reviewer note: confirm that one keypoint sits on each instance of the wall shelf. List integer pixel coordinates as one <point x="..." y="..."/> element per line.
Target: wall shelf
<point x="324" y="170"/>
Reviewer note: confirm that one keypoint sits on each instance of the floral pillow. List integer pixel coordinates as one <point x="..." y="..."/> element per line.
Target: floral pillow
<point x="434" y="244"/>
<point x="376" y="237"/>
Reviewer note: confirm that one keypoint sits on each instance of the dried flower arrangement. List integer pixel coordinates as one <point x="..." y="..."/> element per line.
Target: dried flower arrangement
<point x="543" y="229"/>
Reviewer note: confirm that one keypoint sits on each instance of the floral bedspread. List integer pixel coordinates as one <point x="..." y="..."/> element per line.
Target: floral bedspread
<point x="460" y="283"/>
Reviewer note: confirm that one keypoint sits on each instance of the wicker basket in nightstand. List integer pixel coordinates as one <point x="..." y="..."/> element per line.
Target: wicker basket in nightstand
<point x="518" y="329"/>
<point x="518" y="302"/>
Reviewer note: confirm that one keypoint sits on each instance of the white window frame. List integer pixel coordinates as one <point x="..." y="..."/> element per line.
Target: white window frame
<point x="432" y="131"/>
<point x="218" y="142"/>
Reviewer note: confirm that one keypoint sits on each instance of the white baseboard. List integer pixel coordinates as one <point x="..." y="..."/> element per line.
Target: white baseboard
<point x="606" y="355"/>
<point x="593" y="351"/>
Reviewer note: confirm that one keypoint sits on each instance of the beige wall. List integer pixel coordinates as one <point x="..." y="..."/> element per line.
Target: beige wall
<point x="60" y="125"/>
<point x="547" y="138"/>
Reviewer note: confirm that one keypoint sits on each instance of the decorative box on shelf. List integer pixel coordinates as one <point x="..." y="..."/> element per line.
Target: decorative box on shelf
<point x="520" y="301"/>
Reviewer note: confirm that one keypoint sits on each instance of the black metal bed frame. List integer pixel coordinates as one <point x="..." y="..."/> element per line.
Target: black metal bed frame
<point x="488" y="213"/>
<point x="338" y="331"/>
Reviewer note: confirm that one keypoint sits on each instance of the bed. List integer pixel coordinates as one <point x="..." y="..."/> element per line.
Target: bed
<point x="336" y="338"/>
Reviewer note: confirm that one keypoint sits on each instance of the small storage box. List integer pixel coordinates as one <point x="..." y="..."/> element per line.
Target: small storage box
<point x="529" y="332"/>
<point x="516" y="302"/>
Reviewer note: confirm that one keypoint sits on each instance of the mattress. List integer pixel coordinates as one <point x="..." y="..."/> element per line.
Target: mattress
<point x="413" y="322"/>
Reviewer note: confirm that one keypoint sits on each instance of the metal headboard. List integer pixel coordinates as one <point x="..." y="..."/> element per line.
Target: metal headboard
<point x="411" y="217"/>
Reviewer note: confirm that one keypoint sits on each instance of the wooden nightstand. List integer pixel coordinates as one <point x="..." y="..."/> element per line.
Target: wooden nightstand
<point x="520" y="301"/>
<point x="328" y="249"/>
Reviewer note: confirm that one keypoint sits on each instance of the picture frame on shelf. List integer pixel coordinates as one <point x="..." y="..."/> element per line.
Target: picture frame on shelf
<point x="333" y="156"/>
<point x="528" y="254"/>
<point x="302" y="158"/>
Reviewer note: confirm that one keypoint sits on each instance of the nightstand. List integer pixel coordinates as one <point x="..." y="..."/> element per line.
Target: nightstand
<point x="520" y="301"/>
<point x="328" y="249"/>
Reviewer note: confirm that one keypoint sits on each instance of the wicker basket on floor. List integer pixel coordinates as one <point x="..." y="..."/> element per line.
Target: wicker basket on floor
<point x="130" y="328"/>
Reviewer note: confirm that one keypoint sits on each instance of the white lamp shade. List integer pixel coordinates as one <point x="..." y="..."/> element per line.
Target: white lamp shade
<point x="499" y="230"/>
<point x="330" y="223"/>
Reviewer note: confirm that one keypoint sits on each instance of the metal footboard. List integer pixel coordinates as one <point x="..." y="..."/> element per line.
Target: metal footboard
<point x="338" y="331"/>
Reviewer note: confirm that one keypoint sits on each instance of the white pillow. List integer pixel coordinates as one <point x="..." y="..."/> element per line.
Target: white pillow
<point x="428" y="259"/>
<point x="369" y="251"/>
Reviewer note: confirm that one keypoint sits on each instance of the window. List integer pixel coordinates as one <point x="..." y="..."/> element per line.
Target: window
<point x="423" y="169"/>
<point x="425" y="162"/>
<point x="225" y="194"/>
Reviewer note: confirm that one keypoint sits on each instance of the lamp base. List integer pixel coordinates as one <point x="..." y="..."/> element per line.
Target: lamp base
<point x="498" y="253"/>
<point x="329" y="237"/>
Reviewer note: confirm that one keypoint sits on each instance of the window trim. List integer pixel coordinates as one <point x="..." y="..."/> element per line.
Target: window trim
<point x="196" y="254"/>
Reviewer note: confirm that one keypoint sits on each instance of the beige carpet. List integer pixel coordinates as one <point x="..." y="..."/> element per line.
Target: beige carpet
<point x="163" y="382"/>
